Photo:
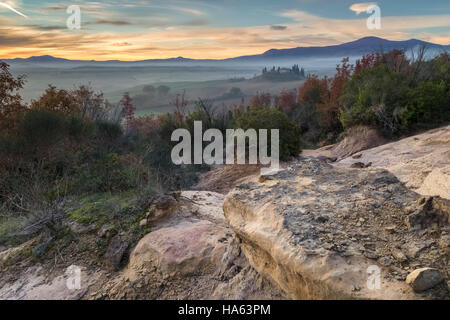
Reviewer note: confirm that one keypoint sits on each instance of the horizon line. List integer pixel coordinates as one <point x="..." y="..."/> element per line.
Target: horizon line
<point x="211" y="59"/>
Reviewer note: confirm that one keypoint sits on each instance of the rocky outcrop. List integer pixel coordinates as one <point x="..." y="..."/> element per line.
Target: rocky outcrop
<point x="358" y="138"/>
<point x="322" y="228"/>
<point x="317" y="231"/>
<point x="189" y="252"/>
<point x="422" y="161"/>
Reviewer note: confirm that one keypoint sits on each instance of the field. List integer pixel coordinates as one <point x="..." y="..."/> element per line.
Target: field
<point x="208" y="82"/>
<point x="217" y="92"/>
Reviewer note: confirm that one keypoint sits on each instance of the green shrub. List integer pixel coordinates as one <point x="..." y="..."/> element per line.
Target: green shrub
<point x="109" y="130"/>
<point x="428" y="103"/>
<point x="42" y="126"/>
<point x="374" y="97"/>
<point x="269" y="118"/>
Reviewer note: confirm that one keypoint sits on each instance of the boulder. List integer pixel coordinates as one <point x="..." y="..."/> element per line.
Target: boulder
<point x="115" y="251"/>
<point x="424" y="279"/>
<point x="188" y="248"/>
<point x="162" y="207"/>
<point x="190" y="254"/>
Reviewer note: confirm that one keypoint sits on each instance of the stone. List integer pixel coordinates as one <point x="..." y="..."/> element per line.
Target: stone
<point x="115" y="251"/>
<point x="162" y="207"/>
<point x="193" y="254"/>
<point x="444" y="242"/>
<point x="385" y="261"/>
<point x="424" y="279"/>
<point x="185" y="249"/>
<point x="358" y="165"/>
<point x="390" y="229"/>
<point x="143" y="223"/>
<point x="428" y="211"/>
<point x="413" y="249"/>
<point x="105" y="231"/>
<point x="398" y="255"/>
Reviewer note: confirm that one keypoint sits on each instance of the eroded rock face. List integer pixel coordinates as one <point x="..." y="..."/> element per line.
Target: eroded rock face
<point x="190" y="254"/>
<point x="314" y="230"/>
<point x="422" y="161"/>
<point x="188" y="248"/>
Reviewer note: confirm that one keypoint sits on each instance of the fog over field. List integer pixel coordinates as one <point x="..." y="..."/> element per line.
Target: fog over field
<point x="200" y="79"/>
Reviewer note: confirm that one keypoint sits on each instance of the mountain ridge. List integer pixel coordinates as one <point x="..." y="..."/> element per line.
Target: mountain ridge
<point x="353" y="48"/>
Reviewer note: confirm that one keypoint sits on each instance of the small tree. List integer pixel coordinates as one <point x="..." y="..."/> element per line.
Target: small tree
<point x="127" y="110"/>
<point x="261" y="100"/>
<point x="270" y="118"/>
<point x="58" y="101"/>
<point x="180" y="108"/>
<point x="12" y="110"/>
<point x="286" y="101"/>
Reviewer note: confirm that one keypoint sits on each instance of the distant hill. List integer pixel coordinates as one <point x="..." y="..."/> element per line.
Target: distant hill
<point x="352" y="49"/>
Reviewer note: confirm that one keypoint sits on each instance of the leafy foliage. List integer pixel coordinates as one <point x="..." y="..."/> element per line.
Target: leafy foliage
<point x="270" y="118"/>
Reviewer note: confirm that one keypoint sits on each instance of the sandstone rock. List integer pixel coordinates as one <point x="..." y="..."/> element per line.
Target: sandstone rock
<point x="287" y="242"/>
<point x="422" y="162"/>
<point x="185" y="249"/>
<point x="413" y="249"/>
<point x="191" y="255"/>
<point x="428" y="211"/>
<point x="116" y="250"/>
<point x="162" y="206"/>
<point x="12" y="254"/>
<point x="205" y="205"/>
<point x="36" y="283"/>
<point x="437" y="183"/>
<point x="359" y="138"/>
<point x="399" y="255"/>
<point x="424" y="279"/>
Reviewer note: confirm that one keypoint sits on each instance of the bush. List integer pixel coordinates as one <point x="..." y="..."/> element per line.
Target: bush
<point x="269" y="118"/>
<point x="428" y="103"/>
<point x="42" y="126"/>
<point x="374" y="97"/>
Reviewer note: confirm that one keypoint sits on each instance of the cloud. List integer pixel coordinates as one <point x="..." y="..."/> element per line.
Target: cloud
<point x="122" y="44"/>
<point x="189" y="11"/>
<point x="361" y="7"/>
<point x="45" y="28"/>
<point x="187" y="36"/>
<point x="110" y="22"/>
<point x="278" y="28"/>
<point x="195" y="22"/>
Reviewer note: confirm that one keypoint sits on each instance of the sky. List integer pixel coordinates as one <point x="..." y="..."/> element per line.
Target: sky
<point x="206" y="29"/>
